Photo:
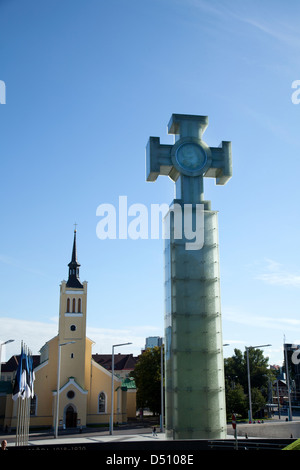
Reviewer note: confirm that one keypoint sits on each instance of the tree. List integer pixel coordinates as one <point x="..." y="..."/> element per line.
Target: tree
<point x="236" y="401"/>
<point x="236" y="366"/>
<point x="236" y="373"/>
<point x="257" y="399"/>
<point x="147" y="376"/>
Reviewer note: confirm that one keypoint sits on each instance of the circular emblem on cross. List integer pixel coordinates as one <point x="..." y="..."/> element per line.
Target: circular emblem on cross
<point x="191" y="157"/>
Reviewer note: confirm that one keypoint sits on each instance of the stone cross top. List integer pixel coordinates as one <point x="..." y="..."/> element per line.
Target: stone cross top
<point x="190" y="159"/>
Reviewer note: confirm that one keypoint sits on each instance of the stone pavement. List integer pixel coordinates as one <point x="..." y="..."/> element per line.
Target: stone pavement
<point x="84" y="439"/>
<point x="276" y="428"/>
<point x="126" y="435"/>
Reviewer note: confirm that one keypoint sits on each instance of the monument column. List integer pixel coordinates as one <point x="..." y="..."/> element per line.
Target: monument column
<point x="194" y="366"/>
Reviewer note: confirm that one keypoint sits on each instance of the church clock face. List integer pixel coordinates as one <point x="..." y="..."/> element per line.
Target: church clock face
<point x="191" y="157"/>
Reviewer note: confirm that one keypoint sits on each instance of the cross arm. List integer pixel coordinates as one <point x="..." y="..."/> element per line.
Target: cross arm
<point x="158" y="160"/>
<point x="221" y="165"/>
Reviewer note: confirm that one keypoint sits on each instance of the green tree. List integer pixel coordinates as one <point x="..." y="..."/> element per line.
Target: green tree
<point x="236" y="374"/>
<point x="147" y="376"/>
<point x="257" y="399"/>
<point x="236" y="366"/>
<point x="236" y="401"/>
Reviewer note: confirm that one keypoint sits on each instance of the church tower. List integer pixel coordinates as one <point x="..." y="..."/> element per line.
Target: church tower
<point x="71" y="388"/>
<point x="72" y="325"/>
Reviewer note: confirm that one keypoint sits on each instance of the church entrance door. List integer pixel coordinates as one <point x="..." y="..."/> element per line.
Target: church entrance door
<point x="71" y="417"/>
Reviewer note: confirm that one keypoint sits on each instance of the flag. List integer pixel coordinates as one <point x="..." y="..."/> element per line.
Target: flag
<point x="30" y="378"/>
<point x="17" y="384"/>
<point x="20" y="379"/>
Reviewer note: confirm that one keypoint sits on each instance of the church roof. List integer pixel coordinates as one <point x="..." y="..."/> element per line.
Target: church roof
<point x="12" y="364"/>
<point x="129" y="383"/>
<point x="121" y="361"/>
<point x="73" y="280"/>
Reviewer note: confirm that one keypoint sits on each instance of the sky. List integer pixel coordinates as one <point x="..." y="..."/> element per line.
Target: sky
<point x="87" y="82"/>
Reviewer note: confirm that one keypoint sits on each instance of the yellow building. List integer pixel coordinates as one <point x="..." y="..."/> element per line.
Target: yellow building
<point x="85" y="385"/>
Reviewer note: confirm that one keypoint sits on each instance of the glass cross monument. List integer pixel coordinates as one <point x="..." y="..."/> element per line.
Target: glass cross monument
<point x="194" y="367"/>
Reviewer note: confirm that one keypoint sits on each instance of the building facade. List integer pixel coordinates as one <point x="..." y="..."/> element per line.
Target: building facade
<point x="153" y="341"/>
<point x="84" y="384"/>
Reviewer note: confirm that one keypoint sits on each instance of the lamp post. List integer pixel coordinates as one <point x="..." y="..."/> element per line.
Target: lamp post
<point x="2" y="344"/>
<point x="287" y="376"/>
<point x="162" y="386"/>
<point x="111" y="427"/>
<point x="58" y="385"/>
<point x="248" y="373"/>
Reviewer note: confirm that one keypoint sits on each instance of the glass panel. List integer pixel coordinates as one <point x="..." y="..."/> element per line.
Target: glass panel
<point x="195" y="393"/>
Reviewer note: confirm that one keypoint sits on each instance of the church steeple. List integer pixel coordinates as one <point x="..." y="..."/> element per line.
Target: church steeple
<point x="73" y="280"/>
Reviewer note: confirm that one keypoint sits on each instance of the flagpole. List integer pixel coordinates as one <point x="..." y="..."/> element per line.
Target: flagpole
<point x="19" y="401"/>
<point x="18" y="423"/>
<point x="23" y="392"/>
<point x="22" y="421"/>
<point x="25" y="404"/>
<point x="26" y="421"/>
<point x="27" y="400"/>
<point x="30" y="390"/>
<point x="22" y="398"/>
<point x="29" y="394"/>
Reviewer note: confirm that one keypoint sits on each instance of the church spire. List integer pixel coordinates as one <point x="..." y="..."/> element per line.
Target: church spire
<point x="73" y="280"/>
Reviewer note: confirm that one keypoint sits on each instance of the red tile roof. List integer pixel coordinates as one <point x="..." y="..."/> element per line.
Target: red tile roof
<point x="121" y="361"/>
<point x="12" y="364"/>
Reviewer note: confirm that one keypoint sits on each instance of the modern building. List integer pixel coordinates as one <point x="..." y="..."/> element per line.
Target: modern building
<point x="153" y="341"/>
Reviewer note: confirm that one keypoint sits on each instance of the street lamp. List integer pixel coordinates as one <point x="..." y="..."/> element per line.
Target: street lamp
<point x="162" y="387"/>
<point x="248" y="373"/>
<point x="2" y="344"/>
<point x="290" y="416"/>
<point x="112" y="386"/>
<point x="58" y="385"/>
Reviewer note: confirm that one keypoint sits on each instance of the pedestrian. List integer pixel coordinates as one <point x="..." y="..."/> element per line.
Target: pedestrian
<point x="154" y="431"/>
<point x="3" y="445"/>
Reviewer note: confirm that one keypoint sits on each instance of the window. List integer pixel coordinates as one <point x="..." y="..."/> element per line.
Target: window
<point x="73" y="327"/>
<point x="79" y="306"/>
<point x="73" y="306"/>
<point x="68" y="305"/>
<point x="102" y="403"/>
<point x="33" y="404"/>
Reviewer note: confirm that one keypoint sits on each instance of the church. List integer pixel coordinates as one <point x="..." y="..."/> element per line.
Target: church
<point x="85" y="386"/>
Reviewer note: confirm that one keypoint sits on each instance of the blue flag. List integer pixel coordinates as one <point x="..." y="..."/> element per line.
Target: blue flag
<point x="21" y="377"/>
<point x="30" y="378"/>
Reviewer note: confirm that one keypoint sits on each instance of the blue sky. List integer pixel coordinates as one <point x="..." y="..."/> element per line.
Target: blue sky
<point x="87" y="83"/>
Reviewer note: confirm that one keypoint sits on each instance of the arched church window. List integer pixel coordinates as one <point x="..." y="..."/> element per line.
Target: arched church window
<point x="73" y="305"/>
<point x="79" y="306"/>
<point x="68" y="305"/>
<point x="102" y="402"/>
